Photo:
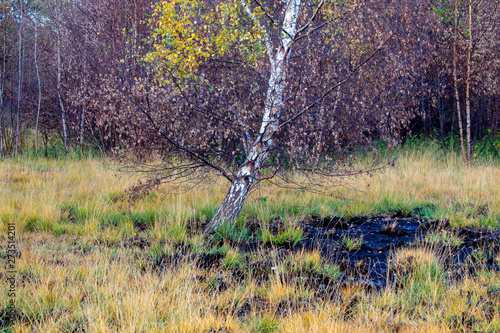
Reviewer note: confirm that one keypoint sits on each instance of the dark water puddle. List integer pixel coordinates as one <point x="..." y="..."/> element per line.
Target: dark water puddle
<point x="383" y="234"/>
<point x="379" y="236"/>
<point x="366" y="260"/>
<point x="462" y="252"/>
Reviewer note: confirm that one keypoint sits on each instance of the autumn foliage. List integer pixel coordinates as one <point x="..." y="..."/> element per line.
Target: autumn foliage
<point x="190" y="63"/>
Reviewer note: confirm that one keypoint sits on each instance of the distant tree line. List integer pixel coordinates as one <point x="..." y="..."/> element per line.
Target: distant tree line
<point x="82" y="73"/>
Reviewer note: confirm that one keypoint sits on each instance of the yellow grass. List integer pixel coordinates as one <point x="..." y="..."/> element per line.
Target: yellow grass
<point x="39" y="191"/>
<point x="76" y="273"/>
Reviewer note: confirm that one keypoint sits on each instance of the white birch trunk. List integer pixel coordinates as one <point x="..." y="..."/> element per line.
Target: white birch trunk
<point x="231" y="206"/>
<point x="19" y="87"/>
<point x="467" y="88"/>
<point x="39" y="85"/>
<point x="455" y="85"/>
<point x="82" y="116"/>
<point x="61" y="104"/>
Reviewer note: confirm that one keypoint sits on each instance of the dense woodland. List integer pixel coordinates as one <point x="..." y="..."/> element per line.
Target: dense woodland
<point x="77" y="73"/>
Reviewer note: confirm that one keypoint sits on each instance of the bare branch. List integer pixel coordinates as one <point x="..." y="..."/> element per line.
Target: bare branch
<point x="246" y="139"/>
<point x="181" y="147"/>
<point x="310" y="106"/>
<point x="269" y="46"/>
<point x="313" y="17"/>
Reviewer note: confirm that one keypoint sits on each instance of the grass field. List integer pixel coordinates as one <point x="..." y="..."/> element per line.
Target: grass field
<point x="89" y="261"/>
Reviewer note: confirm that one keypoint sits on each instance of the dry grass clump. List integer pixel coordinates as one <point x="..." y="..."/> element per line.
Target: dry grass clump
<point x="407" y="260"/>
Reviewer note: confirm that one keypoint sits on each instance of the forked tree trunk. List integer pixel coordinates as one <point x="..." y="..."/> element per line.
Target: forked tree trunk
<point x="258" y="152"/>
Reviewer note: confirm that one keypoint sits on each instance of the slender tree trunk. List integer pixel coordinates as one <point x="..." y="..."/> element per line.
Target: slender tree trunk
<point x="61" y="104"/>
<point x="455" y="85"/>
<point x="1" y="109"/>
<point x="12" y="119"/>
<point x="46" y="143"/>
<point x="82" y="116"/>
<point x="2" y="71"/>
<point x="467" y="88"/>
<point x="39" y="84"/>
<point x="442" y="115"/>
<point x="231" y="206"/>
<point x="2" y="83"/>
<point x="19" y="88"/>
<point x="452" y="138"/>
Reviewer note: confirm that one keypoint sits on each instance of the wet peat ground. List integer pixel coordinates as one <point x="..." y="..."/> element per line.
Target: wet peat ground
<point x="367" y="266"/>
<point x="381" y="235"/>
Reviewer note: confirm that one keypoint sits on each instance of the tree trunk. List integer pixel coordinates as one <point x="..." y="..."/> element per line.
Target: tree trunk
<point x="455" y="86"/>
<point x="467" y="88"/>
<point x="452" y="137"/>
<point x="39" y="85"/>
<point x="231" y="206"/>
<point x="19" y="88"/>
<point x="2" y="82"/>
<point x="63" y="111"/>
<point x="442" y="115"/>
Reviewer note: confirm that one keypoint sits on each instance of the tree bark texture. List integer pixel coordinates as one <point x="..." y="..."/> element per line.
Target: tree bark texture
<point x="455" y="85"/>
<point x="39" y="85"/>
<point x="61" y="104"/>
<point x="19" y="88"/>
<point x="231" y="206"/>
<point x="2" y="83"/>
<point x="467" y="88"/>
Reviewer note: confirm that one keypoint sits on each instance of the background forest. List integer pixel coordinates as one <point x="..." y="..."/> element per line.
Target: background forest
<point x="73" y="74"/>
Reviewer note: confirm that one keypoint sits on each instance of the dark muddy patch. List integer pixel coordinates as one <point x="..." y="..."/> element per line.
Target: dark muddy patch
<point x="382" y="234"/>
<point x="376" y="237"/>
<point x="136" y="241"/>
<point x="140" y="226"/>
<point x="361" y="248"/>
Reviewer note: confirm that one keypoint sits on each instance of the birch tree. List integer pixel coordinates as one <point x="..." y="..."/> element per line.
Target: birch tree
<point x="59" y="72"/>
<point x="455" y="81"/>
<point x="251" y="86"/>
<point x="20" y="77"/>
<point x="38" y="79"/>
<point x="2" y="78"/>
